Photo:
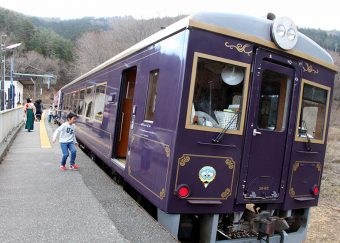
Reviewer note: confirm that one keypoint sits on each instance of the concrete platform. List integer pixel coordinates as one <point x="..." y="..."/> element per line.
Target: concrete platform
<point x="40" y="203"/>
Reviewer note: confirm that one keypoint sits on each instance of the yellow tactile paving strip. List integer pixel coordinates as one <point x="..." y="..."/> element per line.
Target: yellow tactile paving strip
<point x="44" y="140"/>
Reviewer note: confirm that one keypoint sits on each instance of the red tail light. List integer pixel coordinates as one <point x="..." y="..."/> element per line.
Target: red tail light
<point x="316" y="190"/>
<point x="183" y="191"/>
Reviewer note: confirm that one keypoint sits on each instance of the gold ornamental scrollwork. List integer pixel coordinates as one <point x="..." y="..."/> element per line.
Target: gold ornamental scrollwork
<point x="162" y="193"/>
<point x="239" y="47"/>
<point x="167" y="150"/>
<point x="226" y="193"/>
<point x="292" y="192"/>
<point x="184" y="159"/>
<point x="309" y="69"/>
<point x="318" y="167"/>
<point x="230" y="163"/>
<point x="296" y="166"/>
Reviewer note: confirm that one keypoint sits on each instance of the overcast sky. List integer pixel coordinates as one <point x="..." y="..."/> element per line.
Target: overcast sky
<point x="314" y="14"/>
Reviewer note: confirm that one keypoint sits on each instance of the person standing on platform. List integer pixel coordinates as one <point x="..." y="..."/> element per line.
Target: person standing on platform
<point x="29" y="110"/>
<point x="55" y="114"/>
<point x="67" y="140"/>
<point x="38" y="108"/>
<point x="50" y="114"/>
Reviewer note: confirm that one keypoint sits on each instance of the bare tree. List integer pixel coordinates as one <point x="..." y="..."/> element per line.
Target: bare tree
<point x="33" y="62"/>
<point x="94" y="48"/>
<point x="336" y="58"/>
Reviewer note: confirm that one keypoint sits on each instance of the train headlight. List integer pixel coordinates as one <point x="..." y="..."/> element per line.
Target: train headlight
<point x="291" y="34"/>
<point x="281" y="30"/>
<point x="284" y="33"/>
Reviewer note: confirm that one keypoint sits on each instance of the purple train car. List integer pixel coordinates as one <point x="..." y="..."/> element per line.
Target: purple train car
<point x="219" y="120"/>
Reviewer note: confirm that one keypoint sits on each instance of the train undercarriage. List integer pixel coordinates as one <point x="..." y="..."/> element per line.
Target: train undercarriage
<point x="252" y="225"/>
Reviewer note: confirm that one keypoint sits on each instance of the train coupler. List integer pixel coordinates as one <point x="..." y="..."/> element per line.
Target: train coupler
<point x="266" y="225"/>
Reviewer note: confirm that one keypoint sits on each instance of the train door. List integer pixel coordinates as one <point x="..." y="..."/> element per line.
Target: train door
<point x="124" y="114"/>
<point x="267" y="129"/>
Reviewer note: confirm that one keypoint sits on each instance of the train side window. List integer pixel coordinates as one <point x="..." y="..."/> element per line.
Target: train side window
<point x="64" y="107"/>
<point x="75" y="101"/>
<point x="88" y="106"/>
<point x="67" y="101"/>
<point x="274" y="101"/>
<point x="217" y="94"/>
<point x="64" y="103"/>
<point x="313" y="111"/>
<point x="100" y="100"/>
<point x="152" y="95"/>
<point x="80" y="107"/>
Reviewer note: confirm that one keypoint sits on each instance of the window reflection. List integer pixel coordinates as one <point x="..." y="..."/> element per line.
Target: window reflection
<point x="218" y="92"/>
<point x="274" y="101"/>
<point x="80" y="107"/>
<point x="313" y="112"/>
<point x="152" y="95"/>
<point x="100" y="100"/>
<point x="88" y="102"/>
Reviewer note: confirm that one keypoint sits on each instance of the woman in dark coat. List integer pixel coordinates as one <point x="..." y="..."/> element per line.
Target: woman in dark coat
<point x="38" y="108"/>
<point x="29" y="110"/>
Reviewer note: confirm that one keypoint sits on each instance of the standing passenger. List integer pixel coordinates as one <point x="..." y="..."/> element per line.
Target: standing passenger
<point x="50" y="114"/>
<point x="55" y="114"/>
<point x="38" y="107"/>
<point x="29" y="110"/>
<point x="67" y="140"/>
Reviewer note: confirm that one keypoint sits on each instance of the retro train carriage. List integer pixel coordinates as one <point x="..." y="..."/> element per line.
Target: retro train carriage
<point x="213" y="115"/>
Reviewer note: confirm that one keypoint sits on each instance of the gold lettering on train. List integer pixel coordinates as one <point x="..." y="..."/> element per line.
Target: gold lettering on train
<point x="263" y="188"/>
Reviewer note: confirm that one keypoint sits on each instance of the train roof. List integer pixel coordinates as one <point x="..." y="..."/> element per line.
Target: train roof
<point x="253" y="29"/>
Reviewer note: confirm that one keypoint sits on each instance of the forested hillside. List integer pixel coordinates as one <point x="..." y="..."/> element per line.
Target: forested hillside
<point x="329" y="40"/>
<point x="44" y="41"/>
<point x="71" y="29"/>
<point x="69" y="48"/>
<point x="42" y="51"/>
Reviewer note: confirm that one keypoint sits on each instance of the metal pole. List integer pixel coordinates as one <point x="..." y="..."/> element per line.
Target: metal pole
<point x="2" y="84"/>
<point x="3" y="60"/>
<point x="4" y="77"/>
<point x="12" y="86"/>
<point x="2" y="90"/>
<point x="35" y="91"/>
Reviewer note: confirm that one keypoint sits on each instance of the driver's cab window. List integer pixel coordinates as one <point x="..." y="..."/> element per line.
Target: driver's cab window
<point x="313" y="112"/>
<point x="217" y="94"/>
<point x="274" y="101"/>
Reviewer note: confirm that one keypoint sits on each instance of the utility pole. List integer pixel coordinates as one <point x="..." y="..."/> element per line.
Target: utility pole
<point x="3" y="50"/>
<point x="11" y="89"/>
<point x="3" y="68"/>
<point x="34" y="89"/>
